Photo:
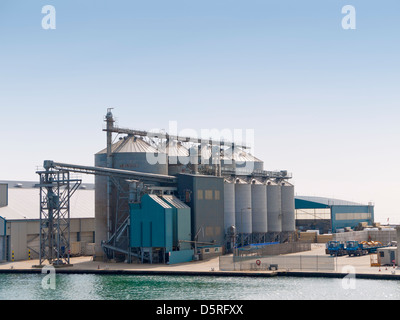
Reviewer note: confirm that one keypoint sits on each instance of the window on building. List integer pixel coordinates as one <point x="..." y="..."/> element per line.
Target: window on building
<point x="199" y="194"/>
<point x="217" y="195"/>
<point x="209" y="195"/>
<point x="313" y="214"/>
<point x="353" y="216"/>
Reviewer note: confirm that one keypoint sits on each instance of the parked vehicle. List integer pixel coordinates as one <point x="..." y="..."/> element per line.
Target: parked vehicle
<point x="355" y="248"/>
<point x="335" y="248"/>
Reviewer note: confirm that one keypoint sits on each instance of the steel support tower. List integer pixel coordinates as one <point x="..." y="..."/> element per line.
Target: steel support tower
<point x="56" y="189"/>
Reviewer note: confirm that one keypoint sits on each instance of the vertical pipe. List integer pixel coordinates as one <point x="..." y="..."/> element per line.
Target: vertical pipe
<point x="110" y="125"/>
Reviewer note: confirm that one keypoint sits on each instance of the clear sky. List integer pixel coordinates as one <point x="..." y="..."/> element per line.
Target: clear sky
<point x="323" y="101"/>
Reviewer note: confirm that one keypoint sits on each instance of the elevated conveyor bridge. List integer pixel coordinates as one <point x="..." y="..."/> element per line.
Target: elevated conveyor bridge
<point x="56" y="189"/>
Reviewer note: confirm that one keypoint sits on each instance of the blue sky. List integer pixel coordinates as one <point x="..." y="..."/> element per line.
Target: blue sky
<point x="322" y="101"/>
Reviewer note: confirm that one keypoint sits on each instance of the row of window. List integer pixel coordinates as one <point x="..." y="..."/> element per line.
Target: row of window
<point x="353" y="216"/>
<point x="208" y="195"/>
<point x="312" y="214"/>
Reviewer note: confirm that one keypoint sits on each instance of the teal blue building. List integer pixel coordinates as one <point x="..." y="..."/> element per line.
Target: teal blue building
<point x="181" y="222"/>
<point x="329" y="215"/>
<point x="160" y="229"/>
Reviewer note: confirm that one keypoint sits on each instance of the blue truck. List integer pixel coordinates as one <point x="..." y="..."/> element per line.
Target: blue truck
<point x="335" y="248"/>
<point x="355" y="248"/>
<point x="352" y="248"/>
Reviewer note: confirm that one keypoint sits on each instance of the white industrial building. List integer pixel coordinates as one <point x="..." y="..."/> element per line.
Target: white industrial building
<point x="20" y="216"/>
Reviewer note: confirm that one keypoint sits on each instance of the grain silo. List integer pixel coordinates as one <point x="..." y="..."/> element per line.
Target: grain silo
<point x="178" y="157"/>
<point x="243" y="207"/>
<point x="129" y="153"/>
<point x="237" y="159"/>
<point x="210" y="158"/>
<point x="287" y="206"/>
<point x="229" y="204"/>
<point x="274" y="207"/>
<point x="259" y="210"/>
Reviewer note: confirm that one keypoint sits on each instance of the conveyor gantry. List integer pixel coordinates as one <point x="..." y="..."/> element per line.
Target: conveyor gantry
<point x="56" y="189"/>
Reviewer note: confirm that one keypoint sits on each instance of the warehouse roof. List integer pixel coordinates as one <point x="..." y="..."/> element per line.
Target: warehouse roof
<point x="23" y="202"/>
<point x="325" y="202"/>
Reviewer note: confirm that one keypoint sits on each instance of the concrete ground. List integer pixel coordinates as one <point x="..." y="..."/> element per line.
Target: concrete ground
<point x="360" y="265"/>
<point x="87" y="263"/>
<point x="345" y="264"/>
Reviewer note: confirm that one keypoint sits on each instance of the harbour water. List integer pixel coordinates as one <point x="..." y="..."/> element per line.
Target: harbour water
<point x="135" y="287"/>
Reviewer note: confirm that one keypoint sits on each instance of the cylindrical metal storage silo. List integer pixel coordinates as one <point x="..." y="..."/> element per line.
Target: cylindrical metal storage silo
<point x="240" y="160"/>
<point x="129" y="153"/>
<point x="274" y="207"/>
<point x="194" y="159"/>
<point x="210" y="158"/>
<point x="205" y="154"/>
<point x="243" y="207"/>
<point x="178" y="157"/>
<point x="287" y="205"/>
<point x="229" y="205"/>
<point x="259" y="207"/>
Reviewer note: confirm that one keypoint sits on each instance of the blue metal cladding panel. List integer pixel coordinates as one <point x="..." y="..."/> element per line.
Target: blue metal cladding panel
<point x="350" y="216"/>
<point x="168" y="230"/>
<point x="180" y="256"/>
<point x="304" y="204"/>
<point x="146" y="227"/>
<point x="151" y="224"/>
<point x="3" y="231"/>
<point x="181" y="222"/>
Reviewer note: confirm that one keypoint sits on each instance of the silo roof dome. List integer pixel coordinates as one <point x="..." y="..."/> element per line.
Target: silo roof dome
<point x="176" y="149"/>
<point x="131" y="144"/>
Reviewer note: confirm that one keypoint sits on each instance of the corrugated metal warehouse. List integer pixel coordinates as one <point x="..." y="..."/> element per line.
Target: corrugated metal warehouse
<point x="20" y="215"/>
<point x="331" y="215"/>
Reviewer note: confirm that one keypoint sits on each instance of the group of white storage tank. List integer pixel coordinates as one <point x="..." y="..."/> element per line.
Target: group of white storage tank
<point x="259" y="207"/>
